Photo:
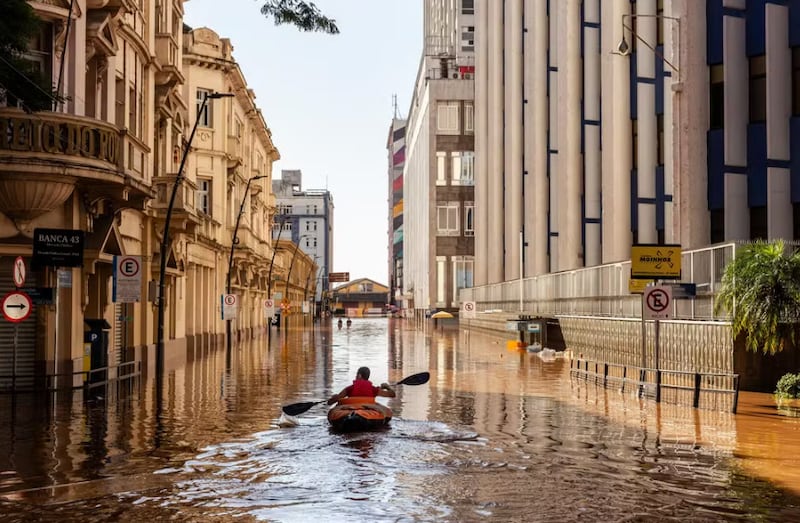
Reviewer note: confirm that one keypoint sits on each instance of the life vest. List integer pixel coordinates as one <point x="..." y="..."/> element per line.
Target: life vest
<point x="363" y="388"/>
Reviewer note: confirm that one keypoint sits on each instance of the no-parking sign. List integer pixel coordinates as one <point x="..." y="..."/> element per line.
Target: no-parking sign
<point x="468" y="310"/>
<point x="127" y="279"/>
<point x="230" y="306"/>
<point x="657" y="304"/>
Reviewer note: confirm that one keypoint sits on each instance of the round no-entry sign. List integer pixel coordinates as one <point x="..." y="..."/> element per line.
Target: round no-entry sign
<point x="19" y="271"/>
<point x="17" y="306"/>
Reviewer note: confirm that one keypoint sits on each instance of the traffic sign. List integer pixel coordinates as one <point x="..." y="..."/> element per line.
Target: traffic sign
<point x="638" y="286"/>
<point x="662" y="262"/>
<point x="19" y="271"/>
<point x="17" y="306"/>
<point x="468" y="309"/>
<point x="269" y="308"/>
<point x="127" y="279"/>
<point x="339" y="277"/>
<point x="230" y="306"/>
<point x="657" y="303"/>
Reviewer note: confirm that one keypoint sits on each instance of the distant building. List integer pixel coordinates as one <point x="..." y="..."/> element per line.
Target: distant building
<point x="362" y="297"/>
<point x="306" y="218"/>
<point x="396" y="147"/>
<point x="438" y="176"/>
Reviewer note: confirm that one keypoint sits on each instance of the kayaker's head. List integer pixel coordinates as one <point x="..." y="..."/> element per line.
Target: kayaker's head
<point x="363" y="373"/>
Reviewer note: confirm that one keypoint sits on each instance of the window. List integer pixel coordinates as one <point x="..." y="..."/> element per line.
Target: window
<point x="758" y="223"/>
<point x="796" y="81"/>
<point x="469" y="219"/>
<point x="447" y="117"/>
<point x="469" y="118"/>
<point x="758" y="89"/>
<point x="463" y="268"/>
<point x="204" y="196"/>
<point x="467" y="7"/>
<point x="285" y="209"/>
<point x="447" y="219"/>
<point x="441" y="170"/>
<point x="314" y="226"/>
<point x="203" y="113"/>
<point x="468" y="38"/>
<point x="716" y="97"/>
<point x="464" y="168"/>
<point x="441" y="280"/>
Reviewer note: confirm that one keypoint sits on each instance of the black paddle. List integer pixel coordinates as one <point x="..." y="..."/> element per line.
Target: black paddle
<point x="298" y="408"/>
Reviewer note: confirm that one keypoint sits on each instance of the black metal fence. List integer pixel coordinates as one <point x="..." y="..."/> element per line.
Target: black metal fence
<point x="713" y="391"/>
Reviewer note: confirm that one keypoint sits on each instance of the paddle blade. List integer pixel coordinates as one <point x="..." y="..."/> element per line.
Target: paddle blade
<point x="416" y="379"/>
<point x="298" y="408"/>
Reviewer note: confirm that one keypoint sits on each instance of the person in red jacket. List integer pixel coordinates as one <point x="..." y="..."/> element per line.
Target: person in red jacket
<point x="362" y="387"/>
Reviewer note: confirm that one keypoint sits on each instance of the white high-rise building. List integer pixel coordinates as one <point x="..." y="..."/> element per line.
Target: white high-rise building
<point x="438" y="176"/>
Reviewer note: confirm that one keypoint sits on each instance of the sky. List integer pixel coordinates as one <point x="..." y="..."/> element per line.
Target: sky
<point x="328" y="101"/>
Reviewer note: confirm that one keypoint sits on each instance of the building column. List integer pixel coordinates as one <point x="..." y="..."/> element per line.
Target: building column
<point x="690" y="123"/>
<point x="646" y="137"/>
<point x="591" y="132"/>
<point x="779" y="111"/>
<point x="513" y="136"/>
<point x="568" y="106"/>
<point x="616" y="135"/>
<point x="496" y="247"/>
<point x="535" y="124"/>
<point x="481" y="276"/>
<point x="736" y="71"/>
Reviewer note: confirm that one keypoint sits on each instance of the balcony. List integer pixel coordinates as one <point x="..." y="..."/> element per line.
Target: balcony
<point x="234" y="152"/>
<point x="184" y="214"/>
<point x="45" y="156"/>
<point x="169" y="57"/>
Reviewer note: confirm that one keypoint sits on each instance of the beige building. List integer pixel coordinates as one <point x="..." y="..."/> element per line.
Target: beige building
<point x="101" y="167"/>
<point x="231" y="169"/>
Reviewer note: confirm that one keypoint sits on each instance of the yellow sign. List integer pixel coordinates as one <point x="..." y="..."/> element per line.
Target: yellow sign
<point x="637" y="286"/>
<point x="661" y="262"/>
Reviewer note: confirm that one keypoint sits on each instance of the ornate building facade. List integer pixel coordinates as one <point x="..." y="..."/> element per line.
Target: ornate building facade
<point x="99" y="168"/>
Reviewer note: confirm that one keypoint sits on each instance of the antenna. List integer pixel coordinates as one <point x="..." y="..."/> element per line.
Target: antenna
<point x="394" y="105"/>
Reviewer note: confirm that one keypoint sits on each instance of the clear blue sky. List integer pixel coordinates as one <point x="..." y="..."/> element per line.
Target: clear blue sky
<point x="328" y="101"/>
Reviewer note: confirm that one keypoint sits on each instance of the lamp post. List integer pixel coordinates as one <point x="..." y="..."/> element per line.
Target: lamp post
<point x="165" y="236"/>
<point x="234" y="242"/>
<point x="308" y="280"/>
<point x="291" y="264"/>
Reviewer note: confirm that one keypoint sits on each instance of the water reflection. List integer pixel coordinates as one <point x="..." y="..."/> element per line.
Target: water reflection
<point x="495" y="435"/>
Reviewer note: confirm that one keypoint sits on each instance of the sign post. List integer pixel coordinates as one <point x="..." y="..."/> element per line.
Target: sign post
<point x="269" y="309"/>
<point x="657" y="306"/>
<point x="230" y="306"/>
<point x="468" y="310"/>
<point x="127" y="279"/>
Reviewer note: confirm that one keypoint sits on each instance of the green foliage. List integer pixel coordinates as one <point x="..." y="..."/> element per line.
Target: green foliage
<point x="19" y="78"/>
<point x="305" y="15"/>
<point x="788" y="386"/>
<point x="761" y="289"/>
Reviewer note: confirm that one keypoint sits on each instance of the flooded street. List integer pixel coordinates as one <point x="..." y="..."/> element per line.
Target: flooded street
<point x="496" y="435"/>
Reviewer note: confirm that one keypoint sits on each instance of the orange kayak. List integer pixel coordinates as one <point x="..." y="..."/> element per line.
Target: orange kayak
<point x="358" y="414"/>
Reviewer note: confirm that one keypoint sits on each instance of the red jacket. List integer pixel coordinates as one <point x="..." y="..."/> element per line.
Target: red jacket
<point x="362" y="388"/>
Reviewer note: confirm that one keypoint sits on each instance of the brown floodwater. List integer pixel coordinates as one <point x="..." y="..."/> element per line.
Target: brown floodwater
<point x="496" y="435"/>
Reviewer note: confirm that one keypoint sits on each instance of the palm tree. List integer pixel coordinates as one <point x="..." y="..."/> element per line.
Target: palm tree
<point x="761" y="290"/>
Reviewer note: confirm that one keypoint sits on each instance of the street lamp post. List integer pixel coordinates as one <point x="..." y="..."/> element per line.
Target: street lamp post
<point x="165" y="237"/>
<point x="234" y="242"/>
<point x="291" y="264"/>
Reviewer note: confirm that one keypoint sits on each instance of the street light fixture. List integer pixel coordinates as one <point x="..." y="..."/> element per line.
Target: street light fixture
<point x="624" y="49"/>
<point x="234" y="242"/>
<point x="165" y="237"/>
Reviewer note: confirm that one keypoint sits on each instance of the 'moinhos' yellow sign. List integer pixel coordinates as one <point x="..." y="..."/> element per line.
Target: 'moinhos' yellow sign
<point x="660" y="262"/>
